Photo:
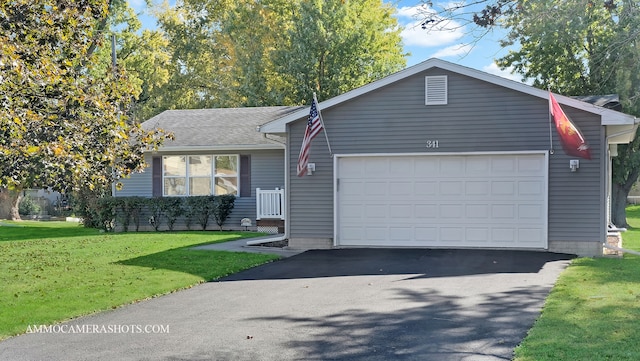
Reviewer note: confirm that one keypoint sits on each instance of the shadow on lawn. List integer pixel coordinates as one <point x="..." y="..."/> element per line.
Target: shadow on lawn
<point x="206" y="264"/>
<point x="25" y="232"/>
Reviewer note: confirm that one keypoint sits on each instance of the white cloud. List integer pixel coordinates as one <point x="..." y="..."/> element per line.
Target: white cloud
<point x="454" y="50"/>
<point x="494" y="69"/>
<point x="413" y="35"/>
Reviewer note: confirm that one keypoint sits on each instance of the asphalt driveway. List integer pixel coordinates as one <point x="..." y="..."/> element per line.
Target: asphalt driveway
<point x="350" y="304"/>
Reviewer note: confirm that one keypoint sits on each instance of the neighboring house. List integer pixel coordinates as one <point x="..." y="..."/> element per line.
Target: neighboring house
<point x="440" y="155"/>
<point x="215" y="151"/>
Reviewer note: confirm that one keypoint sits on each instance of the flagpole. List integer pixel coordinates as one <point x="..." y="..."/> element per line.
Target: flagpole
<point x="324" y="129"/>
<point x="550" y="126"/>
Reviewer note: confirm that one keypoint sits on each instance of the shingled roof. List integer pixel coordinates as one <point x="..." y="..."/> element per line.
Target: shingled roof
<point x="228" y="128"/>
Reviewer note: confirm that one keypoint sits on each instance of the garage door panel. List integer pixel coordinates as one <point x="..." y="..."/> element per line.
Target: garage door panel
<point x="426" y="211"/>
<point x="477" y="188"/>
<point x="503" y="188"/>
<point x="450" y="211"/>
<point x="426" y="167"/>
<point x="451" y="188"/>
<point x="375" y="188"/>
<point x="426" y="234"/>
<point x="451" y="235"/>
<point x="425" y="189"/>
<point x="451" y="166"/>
<point x="503" y="166"/>
<point x="530" y="211"/>
<point x="477" y="211"/>
<point x="477" y="234"/>
<point x="445" y="201"/>
<point x="503" y="212"/>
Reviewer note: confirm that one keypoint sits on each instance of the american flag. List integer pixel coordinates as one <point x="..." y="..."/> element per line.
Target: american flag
<point x="314" y="126"/>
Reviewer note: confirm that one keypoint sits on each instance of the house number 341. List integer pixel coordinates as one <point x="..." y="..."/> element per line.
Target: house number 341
<point x="432" y="144"/>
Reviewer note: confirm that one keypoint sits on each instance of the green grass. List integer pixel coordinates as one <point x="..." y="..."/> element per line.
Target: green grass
<point x="593" y="312"/>
<point x="53" y="271"/>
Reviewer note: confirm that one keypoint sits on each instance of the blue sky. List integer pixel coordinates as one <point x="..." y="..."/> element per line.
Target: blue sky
<point x="457" y="45"/>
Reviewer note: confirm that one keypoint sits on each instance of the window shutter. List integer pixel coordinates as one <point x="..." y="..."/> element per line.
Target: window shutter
<point x="156" y="171"/>
<point x="245" y="176"/>
<point x="435" y="89"/>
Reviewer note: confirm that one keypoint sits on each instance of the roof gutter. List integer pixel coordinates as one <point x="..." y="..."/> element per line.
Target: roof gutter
<point x="231" y="147"/>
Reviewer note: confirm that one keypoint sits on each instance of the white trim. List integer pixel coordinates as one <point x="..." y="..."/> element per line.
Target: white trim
<point x="212" y="175"/>
<point x="609" y="117"/>
<point x="533" y="152"/>
<point x="545" y="151"/>
<point x="217" y="148"/>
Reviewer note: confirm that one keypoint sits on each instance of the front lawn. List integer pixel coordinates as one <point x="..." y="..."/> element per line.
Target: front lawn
<point x="53" y="271"/>
<point x="593" y="312"/>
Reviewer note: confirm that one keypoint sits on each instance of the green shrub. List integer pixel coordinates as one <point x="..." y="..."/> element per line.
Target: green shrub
<point x="28" y="207"/>
<point x="155" y="205"/>
<point x="199" y="209"/>
<point x="172" y="209"/>
<point x="129" y="208"/>
<point x="222" y="207"/>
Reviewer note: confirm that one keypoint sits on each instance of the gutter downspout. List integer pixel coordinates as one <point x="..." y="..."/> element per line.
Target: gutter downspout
<point x="624" y="250"/>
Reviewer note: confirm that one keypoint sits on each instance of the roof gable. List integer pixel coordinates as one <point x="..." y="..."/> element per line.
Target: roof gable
<point x="609" y="117"/>
<point x="219" y="128"/>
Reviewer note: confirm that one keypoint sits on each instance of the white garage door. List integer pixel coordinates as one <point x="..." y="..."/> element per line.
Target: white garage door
<point x="495" y="200"/>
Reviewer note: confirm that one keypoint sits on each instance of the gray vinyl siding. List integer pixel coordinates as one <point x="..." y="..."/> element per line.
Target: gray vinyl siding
<point x="267" y="172"/>
<point x="138" y="184"/>
<point x="479" y="117"/>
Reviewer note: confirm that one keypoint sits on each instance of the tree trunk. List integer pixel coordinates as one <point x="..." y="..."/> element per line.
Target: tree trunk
<point x="618" y="205"/>
<point x="10" y="204"/>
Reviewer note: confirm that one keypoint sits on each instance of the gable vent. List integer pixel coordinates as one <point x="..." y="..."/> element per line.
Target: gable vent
<point x="435" y="90"/>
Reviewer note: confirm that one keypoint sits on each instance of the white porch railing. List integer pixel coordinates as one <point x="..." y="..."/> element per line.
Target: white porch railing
<point x="269" y="203"/>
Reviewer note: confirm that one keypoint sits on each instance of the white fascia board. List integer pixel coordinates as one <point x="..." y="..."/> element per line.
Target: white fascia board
<point x="205" y="148"/>
<point x="608" y="116"/>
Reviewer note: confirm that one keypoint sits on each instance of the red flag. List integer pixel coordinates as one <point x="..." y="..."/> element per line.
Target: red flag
<point x="314" y="126"/>
<point x="572" y="140"/>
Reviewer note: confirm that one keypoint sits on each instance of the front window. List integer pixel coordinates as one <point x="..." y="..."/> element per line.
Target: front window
<point x="197" y="175"/>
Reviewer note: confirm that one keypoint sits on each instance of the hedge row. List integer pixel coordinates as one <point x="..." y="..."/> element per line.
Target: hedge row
<point x="110" y="212"/>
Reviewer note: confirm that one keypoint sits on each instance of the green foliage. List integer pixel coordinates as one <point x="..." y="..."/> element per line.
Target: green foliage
<point x="129" y="209"/>
<point x="222" y="207"/>
<point x="165" y="208"/>
<point x="155" y="206"/>
<point x="199" y="208"/>
<point x="63" y="121"/>
<point x="255" y="53"/>
<point x="87" y="205"/>
<point x="342" y="45"/>
<point x="28" y="206"/>
<point x="172" y="209"/>
<point x="582" y="47"/>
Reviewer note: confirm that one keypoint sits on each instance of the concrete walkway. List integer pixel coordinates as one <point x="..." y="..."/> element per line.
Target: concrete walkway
<point x="241" y="246"/>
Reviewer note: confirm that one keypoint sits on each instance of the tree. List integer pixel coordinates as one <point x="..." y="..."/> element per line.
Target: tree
<point x="276" y="52"/>
<point x="144" y="54"/>
<point x="341" y="46"/>
<point x="60" y="126"/>
<point x="574" y="47"/>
